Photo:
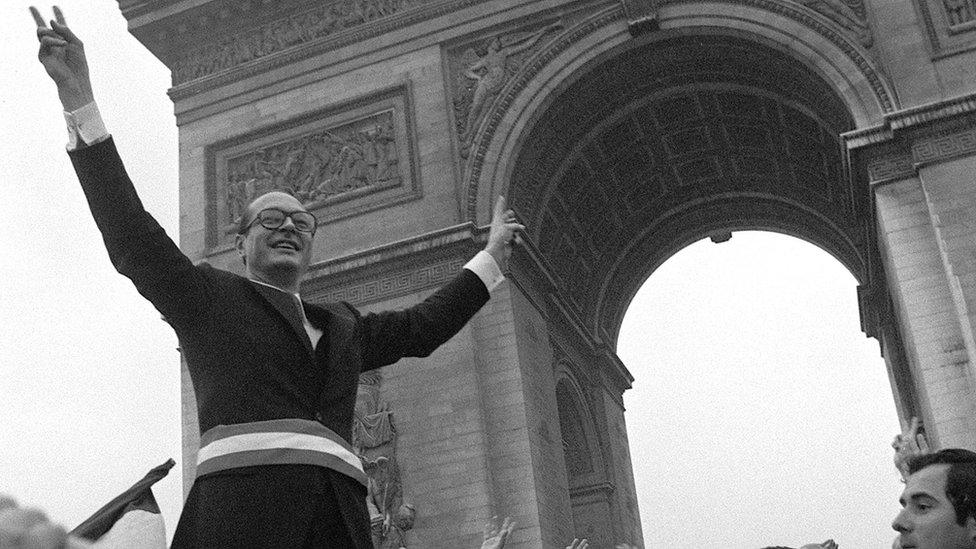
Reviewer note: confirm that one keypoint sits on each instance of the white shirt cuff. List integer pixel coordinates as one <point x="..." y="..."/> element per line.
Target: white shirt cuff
<point x="85" y="126"/>
<point x="483" y="265"/>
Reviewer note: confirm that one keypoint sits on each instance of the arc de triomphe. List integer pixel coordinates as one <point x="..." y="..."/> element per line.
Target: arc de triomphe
<point x="620" y="131"/>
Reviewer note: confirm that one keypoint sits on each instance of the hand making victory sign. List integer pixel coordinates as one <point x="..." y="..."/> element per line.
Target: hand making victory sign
<point x="63" y="56"/>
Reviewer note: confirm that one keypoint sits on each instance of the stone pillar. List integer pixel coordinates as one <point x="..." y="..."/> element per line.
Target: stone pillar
<point x="921" y="169"/>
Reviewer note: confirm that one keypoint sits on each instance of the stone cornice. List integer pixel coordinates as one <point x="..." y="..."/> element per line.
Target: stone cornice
<point x="909" y="118"/>
<point x="396" y="269"/>
<point x="912" y="138"/>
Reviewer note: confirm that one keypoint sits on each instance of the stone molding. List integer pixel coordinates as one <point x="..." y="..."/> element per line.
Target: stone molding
<point x="395" y="270"/>
<point x="945" y="37"/>
<point x="910" y="139"/>
<point x="473" y="159"/>
<point x="394" y="285"/>
<point x="256" y="49"/>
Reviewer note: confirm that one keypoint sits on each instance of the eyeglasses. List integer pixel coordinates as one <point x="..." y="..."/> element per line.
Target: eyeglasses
<point x="273" y="218"/>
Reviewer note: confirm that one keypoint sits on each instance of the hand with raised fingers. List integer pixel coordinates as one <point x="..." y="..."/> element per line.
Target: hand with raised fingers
<point x="63" y="57"/>
<point x="496" y="535"/>
<point x="578" y="544"/>
<point x="908" y="444"/>
<point x="503" y="234"/>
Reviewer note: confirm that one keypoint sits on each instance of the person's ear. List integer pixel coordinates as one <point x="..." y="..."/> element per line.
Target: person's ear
<point x="239" y="245"/>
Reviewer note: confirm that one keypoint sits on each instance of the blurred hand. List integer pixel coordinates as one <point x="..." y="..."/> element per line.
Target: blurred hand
<point x="30" y="529"/>
<point x="908" y="444"/>
<point x="578" y="544"/>
<point x="495" y="536"/>
<point x="63" y="57"/>
<point x="829" y="544"/>
<point x="503" y="233"/>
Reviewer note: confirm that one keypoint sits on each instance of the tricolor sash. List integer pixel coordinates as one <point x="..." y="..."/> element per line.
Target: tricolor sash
<point x="277" y="442"/>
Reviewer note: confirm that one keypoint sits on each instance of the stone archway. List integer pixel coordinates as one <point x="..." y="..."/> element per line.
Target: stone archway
<point x="667" y="143"/>
<point x="618" y="145"/>
<point x="655" y="144"/>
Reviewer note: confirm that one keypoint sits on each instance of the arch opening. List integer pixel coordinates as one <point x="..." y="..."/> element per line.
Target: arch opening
<point x="756" y="404"/>
<point x="664" y="143"/>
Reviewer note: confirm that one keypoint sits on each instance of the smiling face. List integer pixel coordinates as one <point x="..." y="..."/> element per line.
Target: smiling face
<point x="279" y="256"/>
<point x="927" y="519"/>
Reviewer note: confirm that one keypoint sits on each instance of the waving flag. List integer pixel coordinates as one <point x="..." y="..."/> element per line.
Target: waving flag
<point x="131" y="520"/>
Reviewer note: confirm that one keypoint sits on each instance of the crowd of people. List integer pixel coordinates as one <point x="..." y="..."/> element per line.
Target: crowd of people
<point x="938" y="507"/>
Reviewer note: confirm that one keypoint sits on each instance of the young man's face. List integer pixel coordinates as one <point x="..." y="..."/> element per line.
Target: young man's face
<point x="927" y="519"/>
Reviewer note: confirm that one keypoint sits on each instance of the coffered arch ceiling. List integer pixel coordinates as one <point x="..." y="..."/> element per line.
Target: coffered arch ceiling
<point x="668" y="142"/>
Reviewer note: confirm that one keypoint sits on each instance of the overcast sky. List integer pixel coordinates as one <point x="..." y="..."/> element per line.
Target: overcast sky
<point x="760" y="414"/>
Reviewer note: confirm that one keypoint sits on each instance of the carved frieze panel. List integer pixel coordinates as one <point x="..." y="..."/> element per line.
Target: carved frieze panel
<point x="950" y="25"/>
<point x="938" y="134"/>
<point x="480" y="69"/>
<point x="330" y="24"/>
<point x="391" y="285"/>
<point x="851" y="15"/>
<point x="338" y="163"/>
<point x="945" y="146"/>
<point x="889" y="162"/>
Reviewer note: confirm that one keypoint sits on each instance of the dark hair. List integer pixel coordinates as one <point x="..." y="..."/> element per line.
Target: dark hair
<point x="960" y="478"/>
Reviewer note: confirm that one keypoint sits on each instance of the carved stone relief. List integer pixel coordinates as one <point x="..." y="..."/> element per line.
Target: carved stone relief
<point x="374" y="441"/>
<point x="318" y="23"/>
<point x="316" y="166"/>
<point x="959" y="12"/>
<point x="950" y="25"/>
<point x="347" y="156"/>
<point x="481" y="70"/>
<point x="849" y="14"/>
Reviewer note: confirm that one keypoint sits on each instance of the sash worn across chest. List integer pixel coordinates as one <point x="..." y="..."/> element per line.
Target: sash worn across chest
<point x="277" y="442"/>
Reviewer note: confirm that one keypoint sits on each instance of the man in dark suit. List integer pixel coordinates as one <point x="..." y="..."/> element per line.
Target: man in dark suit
<point x="275" y="377"/>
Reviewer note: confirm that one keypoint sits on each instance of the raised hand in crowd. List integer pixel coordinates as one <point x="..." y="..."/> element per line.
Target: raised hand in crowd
<point x="908" y="444"/>
<point x="63" y="57"/>
<point x="625" y="546"/>
<point x="496" y="535"/>
<point x="829" y="544"/>
<point x="578" y="544"/>
<point x="30" y="529"/>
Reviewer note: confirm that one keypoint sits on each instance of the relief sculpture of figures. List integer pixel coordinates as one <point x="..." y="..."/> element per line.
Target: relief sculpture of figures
<point x="317" y="166"/>
<point x="849" y="14"/>
<point x="485" y="74"/>
<point x="960" y="12"/>
<point x="374" y="441"/>
<point x="285" y="33"/>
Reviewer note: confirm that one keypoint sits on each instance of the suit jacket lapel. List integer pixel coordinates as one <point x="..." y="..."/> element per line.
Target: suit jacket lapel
<point x="287" y="307"/>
